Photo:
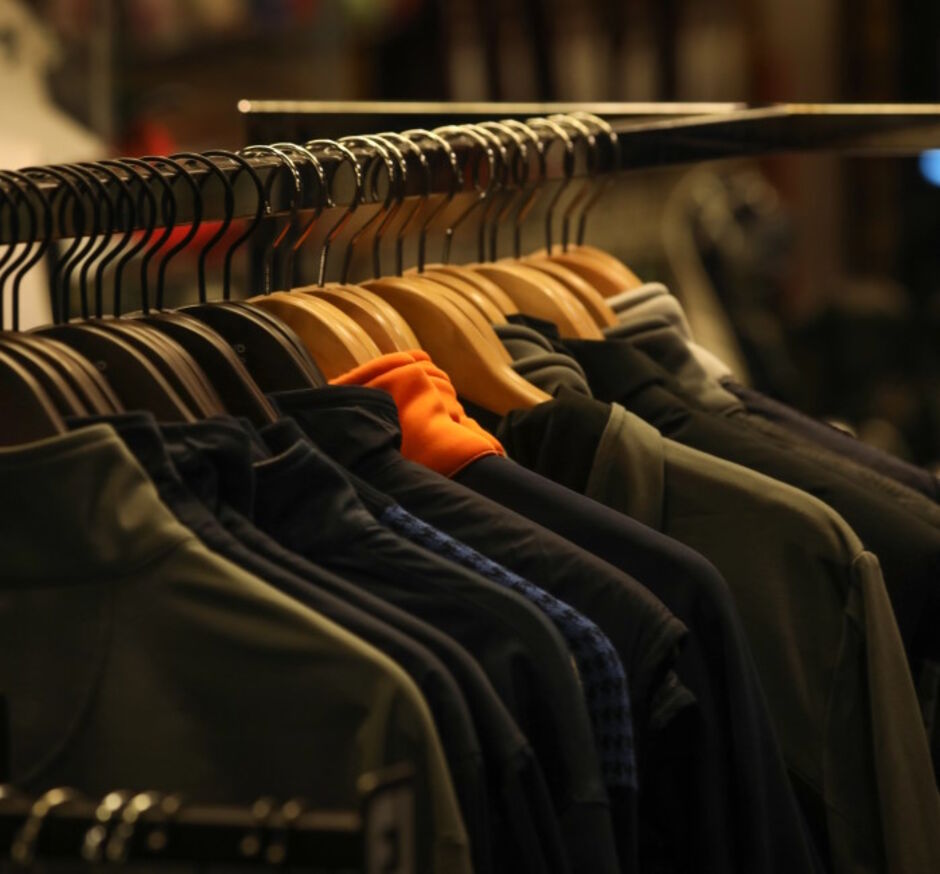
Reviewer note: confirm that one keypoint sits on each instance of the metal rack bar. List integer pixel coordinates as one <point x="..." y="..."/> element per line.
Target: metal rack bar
<point x="667" y="134"/>
<point x="297" y="120"/>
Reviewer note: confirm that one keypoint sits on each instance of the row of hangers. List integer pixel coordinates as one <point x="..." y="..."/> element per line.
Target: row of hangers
<point x="222" y="357"/>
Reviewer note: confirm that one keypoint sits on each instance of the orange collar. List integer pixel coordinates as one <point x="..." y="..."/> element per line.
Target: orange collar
<point x="436" y="432"/>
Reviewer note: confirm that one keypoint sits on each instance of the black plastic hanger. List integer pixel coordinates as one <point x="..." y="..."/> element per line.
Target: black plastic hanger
<point x="166" y="357"/>
<point x="136" y="382"/>
<point x="29" y="413"/>
<point x="174" y="364"/>
<point x="81" y="374"/>
<point x="46" y="374"/>
<point x="238" y="391"/>
<point x="275" y="360"/>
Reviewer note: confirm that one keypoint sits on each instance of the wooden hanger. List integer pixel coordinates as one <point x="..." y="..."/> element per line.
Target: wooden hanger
<point x="137" y="383"/>
<point x="503" y="302"/>
<point x="611" y="269"/>
<point x="605" y="259"/>
<point x="333" y="339"/>
<point x="277" y="360"/>
<point x="605" y="281"/>
<point x="172" y="360"/>
<point x="469" y="290"/>
<point x="385" y="328"/>
<point x="434" y="291"/>
<point x="474" y="363"/>
<point x="589" y="297"/>
<point x="380" y="321"/>
<point x="540" y="295"/>
<point x="428" y="288"/>
<point x="336" y="341"/>
<point x="532" y="292"/>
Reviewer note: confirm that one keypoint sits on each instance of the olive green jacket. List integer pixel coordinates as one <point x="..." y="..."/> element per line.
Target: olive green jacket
<point x="135" y="657"/>
<point x="822" y="631"/>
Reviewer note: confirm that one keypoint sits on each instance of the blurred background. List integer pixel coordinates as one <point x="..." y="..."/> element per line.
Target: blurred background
<point x="825" y="269"/>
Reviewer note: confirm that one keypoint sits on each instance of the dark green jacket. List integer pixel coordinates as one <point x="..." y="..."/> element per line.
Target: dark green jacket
<point x="135" y="657"/>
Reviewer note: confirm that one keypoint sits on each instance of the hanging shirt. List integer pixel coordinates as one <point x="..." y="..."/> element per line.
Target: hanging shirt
<point x="520" y="650"/>
<point x="599" y="668"/>
<point x="139" y="433"/>
<point x="118" y="625"/>
<point x="213" y="458"/>
<point x="360" y="428"/>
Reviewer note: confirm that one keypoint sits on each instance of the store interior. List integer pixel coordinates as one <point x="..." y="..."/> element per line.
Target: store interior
<point x="826" y="265"/>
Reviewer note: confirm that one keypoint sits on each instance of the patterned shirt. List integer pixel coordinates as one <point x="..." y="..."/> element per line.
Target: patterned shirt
<point x="602" y="675"/>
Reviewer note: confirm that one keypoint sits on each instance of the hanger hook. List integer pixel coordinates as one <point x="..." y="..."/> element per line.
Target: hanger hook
<point x="124" y="194"/>
<point x="10" y="248"/>
<point x="95" y="248"/>
<point x="525" y="207"/>
<point x="318" y="202"/>
<point x="228" y="201"/>
<point x="385" y="157"/>
<point x="605" y="178"/>
<point x="483" y="193"/>
<point x="346" y="154"/>
<point x="80" y="252"/>
<point x="28" y="260"/>
<point x="297" y="191"/>
<point x="182" y="172"/>
<point x="502" y="177"/>
<point x="397" y="191"/>
<point x="122" y="836"/>
<point x="517" y="171"/>
<point x="454" y="164"/>
<point x="592" y="164"/>
<point x="109" y="807"/>
<point x="63" y="309"/>
<point x="7" y="199"/>
<point x="255" y="220"/>
<point x="419" y="201"/>
<point x="561" y="135"/>
<point x="23" y="847"/>
<point x="78" y="185"/>
<point x="168" y="204"/>
<point x="136" y="168"/>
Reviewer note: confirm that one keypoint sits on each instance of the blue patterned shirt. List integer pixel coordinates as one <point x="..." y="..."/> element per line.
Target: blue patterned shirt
<point x="602" y="675"/>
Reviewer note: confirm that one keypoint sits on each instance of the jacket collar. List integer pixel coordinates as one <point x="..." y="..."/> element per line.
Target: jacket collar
<point x="614" y="368"/>
<point x="79" y="508"/>
<point x="666" y="346"/>
<point x="357" y="427"/>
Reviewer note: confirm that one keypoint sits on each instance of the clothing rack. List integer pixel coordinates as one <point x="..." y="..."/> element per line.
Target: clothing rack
<point x="666" y="134"/>
<point x="155" y="828"/>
